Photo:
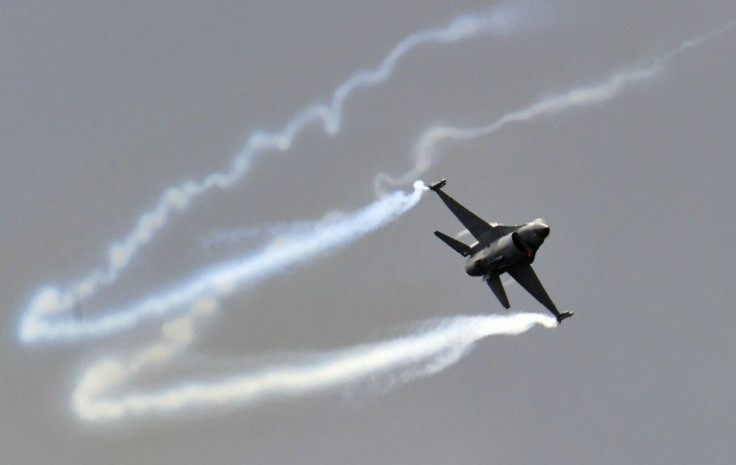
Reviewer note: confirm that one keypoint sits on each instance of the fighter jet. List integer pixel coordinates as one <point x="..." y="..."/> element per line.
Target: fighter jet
<point x="500" y="249"/>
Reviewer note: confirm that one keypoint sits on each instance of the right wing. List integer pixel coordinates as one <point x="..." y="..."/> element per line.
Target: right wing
<point x="525" y="275"/>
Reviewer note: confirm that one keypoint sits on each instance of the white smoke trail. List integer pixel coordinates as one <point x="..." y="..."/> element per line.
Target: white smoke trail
<point x="47" y="318"/>
<point x="421" y="353"/>
<point x="275" y="257"/>
<point x="425" y="153"/>
<point x="237" y="236"/>
<point x="436" y="346"/>
<point x="499" y="20"/>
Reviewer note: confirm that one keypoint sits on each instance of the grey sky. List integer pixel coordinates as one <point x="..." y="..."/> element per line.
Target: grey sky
<point x="105" y="106"/>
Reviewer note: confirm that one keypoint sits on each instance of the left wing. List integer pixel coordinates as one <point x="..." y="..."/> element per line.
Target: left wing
<point x="479" y="228"/>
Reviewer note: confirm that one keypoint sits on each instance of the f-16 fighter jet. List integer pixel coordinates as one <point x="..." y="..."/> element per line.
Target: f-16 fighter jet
<point x="500" y="249"/>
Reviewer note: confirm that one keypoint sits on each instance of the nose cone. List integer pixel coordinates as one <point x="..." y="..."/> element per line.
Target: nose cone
<point x="541" y="228"/>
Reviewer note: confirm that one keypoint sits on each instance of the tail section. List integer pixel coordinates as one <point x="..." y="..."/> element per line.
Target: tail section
<point x="459" y="247"/>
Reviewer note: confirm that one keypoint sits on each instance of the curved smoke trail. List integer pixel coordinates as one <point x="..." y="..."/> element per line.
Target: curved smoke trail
<point x="436" y="346"/>
<point x="499" y="20"/>
<point x="231" y="237"/>
<point x="427" y="351"/>
<point x="425" y="153"/>
<point x="279" y="255"/>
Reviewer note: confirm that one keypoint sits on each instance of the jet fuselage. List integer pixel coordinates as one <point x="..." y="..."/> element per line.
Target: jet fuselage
<point x="517" y="247"/>
<point x="500" y="249"/>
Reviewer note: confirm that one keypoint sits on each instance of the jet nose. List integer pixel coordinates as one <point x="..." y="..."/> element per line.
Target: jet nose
<point x="542" y="230"/>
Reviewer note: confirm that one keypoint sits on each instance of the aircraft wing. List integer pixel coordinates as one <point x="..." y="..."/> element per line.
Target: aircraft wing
<point x="479" y="228"/>
<point x="525" y="275"/>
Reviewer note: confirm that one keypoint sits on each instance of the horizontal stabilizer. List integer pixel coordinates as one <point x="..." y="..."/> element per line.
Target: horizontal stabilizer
<point x="494" y="282"/>
<point x="459" y="247"/>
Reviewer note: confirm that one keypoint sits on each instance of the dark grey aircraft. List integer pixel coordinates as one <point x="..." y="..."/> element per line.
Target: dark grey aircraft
<point x="500" y="249"/>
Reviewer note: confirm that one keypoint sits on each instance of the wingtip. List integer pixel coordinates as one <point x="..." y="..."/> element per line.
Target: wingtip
<point x="563" y="316"/>
<point x="438" y="185"/>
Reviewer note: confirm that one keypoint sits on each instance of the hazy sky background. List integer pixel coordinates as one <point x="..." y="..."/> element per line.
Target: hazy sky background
<point x="104" y="106"/>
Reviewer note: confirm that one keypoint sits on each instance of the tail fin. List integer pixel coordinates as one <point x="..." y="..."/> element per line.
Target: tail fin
<point x="458" y="246"/>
